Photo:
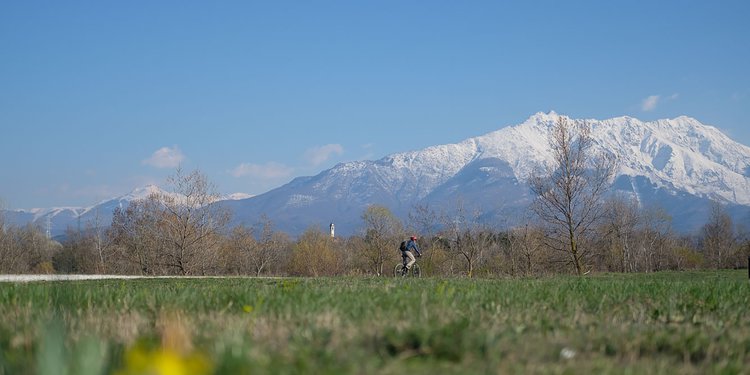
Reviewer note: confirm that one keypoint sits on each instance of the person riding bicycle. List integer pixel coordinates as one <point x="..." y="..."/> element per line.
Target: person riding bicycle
<point x="408" y="256"/>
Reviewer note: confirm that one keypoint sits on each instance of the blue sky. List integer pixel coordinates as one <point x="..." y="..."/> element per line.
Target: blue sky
<point x="98" y="98"/>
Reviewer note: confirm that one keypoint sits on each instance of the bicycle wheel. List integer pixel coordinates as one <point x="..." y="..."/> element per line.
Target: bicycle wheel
<point x="397" y="272"/>
<point x="416" y="271"/>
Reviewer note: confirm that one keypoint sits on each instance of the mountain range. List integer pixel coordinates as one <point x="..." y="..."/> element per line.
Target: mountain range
<point x="59" y="219"/>
<point x="679" y="165"/>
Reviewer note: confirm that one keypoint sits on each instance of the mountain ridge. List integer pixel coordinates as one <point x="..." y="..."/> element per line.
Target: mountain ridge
<point x="440" y="163"/>
<point x="665" y="157"/>
<point x="678" y="163"/>
<point x="98" y="214"/>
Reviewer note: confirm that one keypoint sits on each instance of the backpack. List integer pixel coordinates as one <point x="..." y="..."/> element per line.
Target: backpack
<point x="403" y="246"/>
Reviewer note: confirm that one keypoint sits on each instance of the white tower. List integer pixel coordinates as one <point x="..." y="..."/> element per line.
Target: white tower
<point x="332" y="230"/>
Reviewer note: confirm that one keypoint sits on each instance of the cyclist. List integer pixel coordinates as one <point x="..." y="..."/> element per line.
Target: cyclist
<point x="407" y="254"/>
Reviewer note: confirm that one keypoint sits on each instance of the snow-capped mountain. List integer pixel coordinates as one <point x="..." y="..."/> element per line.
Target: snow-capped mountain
<point x="236" y="196"/>
<point x="59" y="219"/>
<point x="97" y="215"/>
<point x="679" y="164"/>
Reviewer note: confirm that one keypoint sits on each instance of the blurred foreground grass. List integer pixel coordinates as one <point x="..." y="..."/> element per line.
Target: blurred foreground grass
<point x="666" y="323"/>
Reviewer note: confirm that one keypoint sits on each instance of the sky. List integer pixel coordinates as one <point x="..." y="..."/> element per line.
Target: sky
<point x="99" y="98"/>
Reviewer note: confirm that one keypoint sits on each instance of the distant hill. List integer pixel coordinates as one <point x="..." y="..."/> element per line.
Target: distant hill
<point x="59" y="219"/>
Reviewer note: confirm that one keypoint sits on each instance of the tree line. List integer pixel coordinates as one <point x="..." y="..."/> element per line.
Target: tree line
<point x="573" y="226"/>
<point x="147" y="238"/>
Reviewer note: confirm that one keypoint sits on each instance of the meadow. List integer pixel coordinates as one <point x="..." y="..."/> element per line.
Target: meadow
<point x="660" y="323"/>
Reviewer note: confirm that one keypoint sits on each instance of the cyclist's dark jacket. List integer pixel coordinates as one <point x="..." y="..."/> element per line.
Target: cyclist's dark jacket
<point x="412" y="245"/>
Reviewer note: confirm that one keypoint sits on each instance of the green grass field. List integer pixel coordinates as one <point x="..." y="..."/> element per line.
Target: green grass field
<point x="668" y="323"/>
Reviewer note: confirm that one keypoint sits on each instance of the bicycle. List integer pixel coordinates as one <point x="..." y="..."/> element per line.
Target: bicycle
<point x="415" y="271"/>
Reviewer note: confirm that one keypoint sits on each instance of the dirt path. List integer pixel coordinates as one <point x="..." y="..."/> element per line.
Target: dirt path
<point x="32" y="278"/>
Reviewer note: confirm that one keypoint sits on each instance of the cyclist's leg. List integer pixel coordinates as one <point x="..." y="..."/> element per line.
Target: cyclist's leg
<point x="412" y="260"/>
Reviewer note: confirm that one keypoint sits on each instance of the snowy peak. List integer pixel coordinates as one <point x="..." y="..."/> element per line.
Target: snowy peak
<point x="142" y="193"/>
<point x="678" y="163"/>
<point x="679" y="154"/>
<point x="236" y="196"/>
<point x="59" y="219"/>
<point x="39" y="213"/>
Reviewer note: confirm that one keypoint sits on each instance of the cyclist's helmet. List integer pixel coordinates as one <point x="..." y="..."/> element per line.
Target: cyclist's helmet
<point x="414" y="238"/>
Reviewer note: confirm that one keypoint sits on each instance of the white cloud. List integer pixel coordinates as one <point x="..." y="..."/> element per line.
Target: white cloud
<point x="368" y="150"/>
<point x="649" y="104"/>
<point x="319" y="155"/>
<point x="268" y="171"/>
<point x="165" y="157"/>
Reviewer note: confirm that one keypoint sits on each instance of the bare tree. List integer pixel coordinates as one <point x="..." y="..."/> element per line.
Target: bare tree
<point x="313" y="255"/>
<point x="569" y="193"/>
<point x="2" y="219"/>
<point x="718" y="239"/>
<point x="619" y="233"/>
<point x="637" y="239"/>
<point x="682" y="255"/>
<point x="38" y="249"/>
<point x="135" y="237"/>
<point x="10" y="256"/>
<point x="656" y="240"/>
<point x="26" y="250"/>
<point x="270" y="246"/>
<point x="742" y="255"/>
<point x="382" y="230"/>
<point x="423" y="220"/>
<point x="179" y="232"/>
<point x="101" y="243"/>
<point x="236" y="255"/>
<point x="86" y="250"/>
<point x="352" y="249"/>
<point x="77" y="254"/>
<point x="525" y="243"/>
<point x="191" y="223"/>
<point x="467" y="238"/>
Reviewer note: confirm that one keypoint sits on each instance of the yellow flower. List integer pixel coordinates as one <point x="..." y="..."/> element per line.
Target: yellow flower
<point x="141" y="361"/>
<point x="247" y="308"/>
<point x="168" y="363"/>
